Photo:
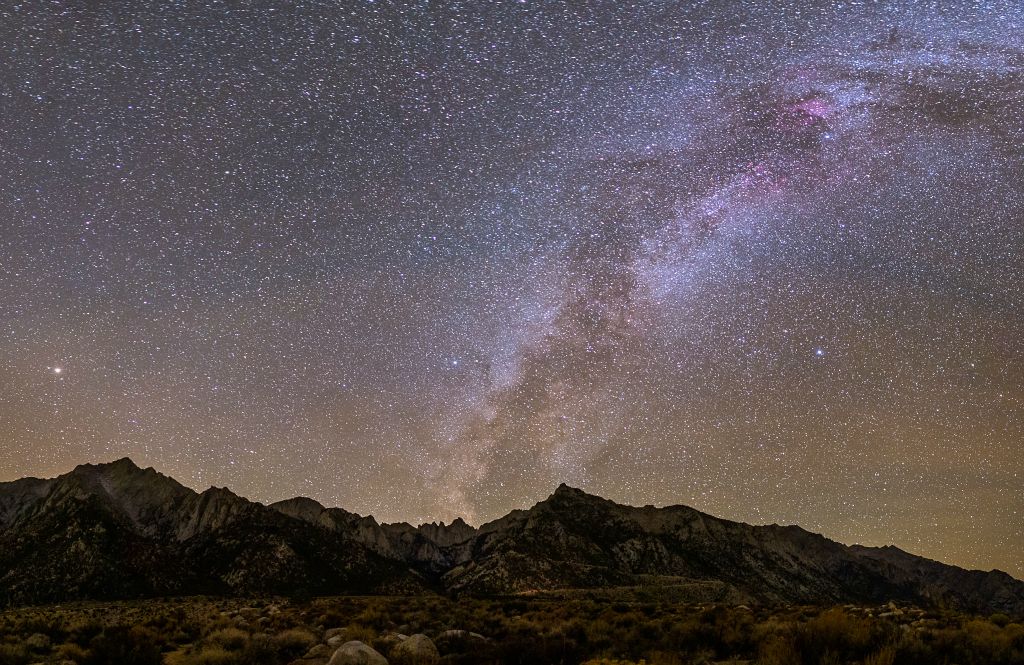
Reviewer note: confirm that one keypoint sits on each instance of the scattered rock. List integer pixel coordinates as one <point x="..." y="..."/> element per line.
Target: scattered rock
<point x="457" y="641"/>
<point x="357" y="653"/>
<point x="460" y="634"/>
<point x="388" y="641"/>
<point x="418" y="649"/>
<point x="319" y="651"/>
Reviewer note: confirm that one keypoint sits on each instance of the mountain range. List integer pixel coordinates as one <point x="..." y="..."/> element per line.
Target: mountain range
<point x="110" y="531"/>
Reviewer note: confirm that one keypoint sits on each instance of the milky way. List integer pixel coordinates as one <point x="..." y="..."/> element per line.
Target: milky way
<point x="423" y="260"/>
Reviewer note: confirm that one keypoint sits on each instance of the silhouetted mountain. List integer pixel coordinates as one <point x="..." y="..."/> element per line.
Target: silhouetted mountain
<point x="427" y="547"/>
<point x="573" y="539"/>
<point x="114" y="530"/>
<point x="117" y="531"/>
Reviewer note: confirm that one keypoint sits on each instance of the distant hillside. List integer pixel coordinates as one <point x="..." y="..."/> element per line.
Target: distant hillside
<point x="117" y="531"/>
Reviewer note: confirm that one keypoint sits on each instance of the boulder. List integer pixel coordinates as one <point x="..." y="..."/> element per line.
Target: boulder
<point x="319" y="651"/>
<point x="460" y="635"/>
<point x="387" y="642"/>
<point x="418" y="649"/>
<point x="357" y="653"/>
<point x="458" y="641"/>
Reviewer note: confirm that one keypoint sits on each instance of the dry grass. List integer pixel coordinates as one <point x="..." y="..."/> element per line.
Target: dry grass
<point x="210" y="631"/>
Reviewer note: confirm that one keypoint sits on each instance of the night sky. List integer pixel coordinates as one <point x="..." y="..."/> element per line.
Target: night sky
<point x="422" y="260"/>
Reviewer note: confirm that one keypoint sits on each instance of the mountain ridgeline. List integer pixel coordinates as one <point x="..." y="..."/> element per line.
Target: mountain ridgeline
<point x="112" y="531"/>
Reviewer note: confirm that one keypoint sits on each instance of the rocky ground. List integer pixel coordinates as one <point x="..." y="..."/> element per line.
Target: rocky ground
<point x="437" y="630"/>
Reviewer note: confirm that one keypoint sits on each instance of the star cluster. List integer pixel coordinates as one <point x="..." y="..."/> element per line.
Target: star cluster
<point x="429" y="259"/>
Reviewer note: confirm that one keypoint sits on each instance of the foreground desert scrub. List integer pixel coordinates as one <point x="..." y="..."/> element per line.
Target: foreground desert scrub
<point x="536" y="630"/>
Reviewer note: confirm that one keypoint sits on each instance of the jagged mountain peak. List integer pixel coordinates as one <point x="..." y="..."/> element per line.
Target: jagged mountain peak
<point x="142" y="497"/>
<point x="567" y="493"/>
<point x="223" y="492"/>
<point x="568" y="498"/>
<point x="122" y="474"/>
<point x="123" y="467"/>
<point x="303" y="501"/>
<point x="300" y="507"/>
<point x="571" y="503"/>
<point x="447" y="534"/>
<point x="121" y="470"/>
<point x="458" y="521"/>
<point x="120" y="463"/>
<point x="457" y="524"/>
<point x="564" y="489"/>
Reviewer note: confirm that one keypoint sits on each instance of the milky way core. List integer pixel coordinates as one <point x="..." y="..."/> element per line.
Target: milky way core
<point x="426" y="260"/>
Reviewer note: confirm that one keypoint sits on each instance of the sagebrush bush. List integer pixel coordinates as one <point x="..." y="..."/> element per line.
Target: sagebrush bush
<point x="71" y="651"/>
<point x="358" y="632"/>
<point x="294" y="642"/>
<point x="230" y="639"/>
<point x="213" y="654"/>
<point x="885" y="656"/>
<point x="124" y="645"/>
<point x="14" y="654"/>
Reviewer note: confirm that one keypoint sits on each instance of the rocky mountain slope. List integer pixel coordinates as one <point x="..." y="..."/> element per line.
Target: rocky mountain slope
<point x="118" y="531"/>
<point x="115" y="530"/>
<point x="574" y="539"/>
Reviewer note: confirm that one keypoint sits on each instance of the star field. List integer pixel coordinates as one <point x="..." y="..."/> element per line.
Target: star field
<point x="430" y="259"/>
